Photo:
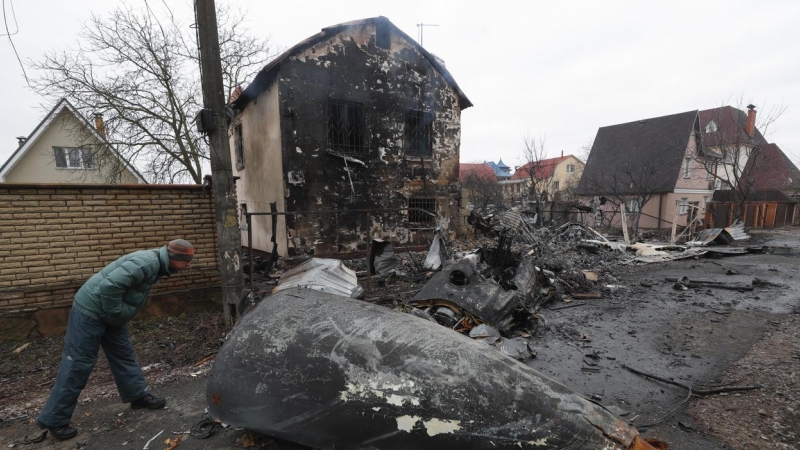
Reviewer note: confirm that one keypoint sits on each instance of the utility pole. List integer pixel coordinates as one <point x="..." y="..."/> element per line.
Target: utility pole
<point x="216" y="125"/>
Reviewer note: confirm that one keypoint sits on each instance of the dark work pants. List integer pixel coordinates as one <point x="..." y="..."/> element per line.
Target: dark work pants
<point x="85" y="335"/>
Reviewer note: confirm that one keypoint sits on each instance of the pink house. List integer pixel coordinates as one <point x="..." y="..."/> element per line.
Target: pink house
<point x="659" y="167"/>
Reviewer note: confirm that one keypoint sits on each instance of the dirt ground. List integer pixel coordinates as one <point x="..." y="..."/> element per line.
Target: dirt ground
<point x="698" y="337"/>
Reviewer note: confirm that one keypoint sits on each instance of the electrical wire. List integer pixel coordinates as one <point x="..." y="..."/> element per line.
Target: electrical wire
<point x="9" y="34"/>
<point x="14" y="14"/>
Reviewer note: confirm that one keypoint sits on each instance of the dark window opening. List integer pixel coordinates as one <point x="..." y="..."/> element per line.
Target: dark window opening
<point x="419" y="136"/>
<point x="382" y="36"/>
<point x="346" y="127"/>
<point x="422" y="211"/>
<point x="239" y="147"/>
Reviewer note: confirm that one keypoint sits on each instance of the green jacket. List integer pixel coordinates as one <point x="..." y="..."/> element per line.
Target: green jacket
<point x="117" y="292"/>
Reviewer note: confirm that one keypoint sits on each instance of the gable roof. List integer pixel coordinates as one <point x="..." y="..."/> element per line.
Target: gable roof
<point x="731" y="123"/>
<point x="45" y="123"/>
<point x="660" y="140"/>
<point x="541" y="169"/>
<point x="769" y="168"/>
<point x="266" y="76"/>
<point x="483" y="171"/>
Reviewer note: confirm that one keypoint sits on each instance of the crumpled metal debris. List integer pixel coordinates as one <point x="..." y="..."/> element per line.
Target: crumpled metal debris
<point x="382" y="259"/>
<point x="461" y="298"/>
<point x="716" y="236"/>
<point x="433" y="260"/>
<point x="326" y="275"/>
<point x="510" y="223"/>
<point x="331" y="372"/>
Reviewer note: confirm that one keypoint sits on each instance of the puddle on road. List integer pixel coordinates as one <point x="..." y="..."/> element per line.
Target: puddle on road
<point x="785" y="251"/>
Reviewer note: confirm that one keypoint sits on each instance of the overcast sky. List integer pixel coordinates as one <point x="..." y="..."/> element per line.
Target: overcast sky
<point x="552" y="70"/>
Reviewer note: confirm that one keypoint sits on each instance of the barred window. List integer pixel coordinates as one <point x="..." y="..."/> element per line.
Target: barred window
<point x="419" y="133"/>
<point x="346" y="132"/>
<point x="422" y="211"/>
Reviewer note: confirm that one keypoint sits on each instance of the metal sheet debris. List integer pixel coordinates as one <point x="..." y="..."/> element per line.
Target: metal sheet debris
<point x="433" y="260"/>
<point x="326" y="275"/>
<point x="716" y="236"/>
<point x="382" y="259"/>
<point x="332" y="372"/>
<point x="736" y="230"/>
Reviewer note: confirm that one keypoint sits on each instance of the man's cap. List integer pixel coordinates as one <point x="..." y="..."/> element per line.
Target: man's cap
<point x="180" y="250"/>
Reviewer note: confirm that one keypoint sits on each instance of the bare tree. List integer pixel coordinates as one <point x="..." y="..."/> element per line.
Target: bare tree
<point x="583" y="153"/>
<point x="483" y="192"/>
<point x="141" y="71"/>
<point x="539" y="185"/>
<point x="632" y="184"/>
<point x="729" y="144"/>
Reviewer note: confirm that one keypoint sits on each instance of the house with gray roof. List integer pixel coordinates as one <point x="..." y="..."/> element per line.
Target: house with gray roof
<point x="667" y="168"/>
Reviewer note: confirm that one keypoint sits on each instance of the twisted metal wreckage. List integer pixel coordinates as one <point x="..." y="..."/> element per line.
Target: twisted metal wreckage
<point x="328" y="371"/>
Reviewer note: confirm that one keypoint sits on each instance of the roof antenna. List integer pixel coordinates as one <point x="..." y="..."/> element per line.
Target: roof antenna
<point x="421" y="27"/>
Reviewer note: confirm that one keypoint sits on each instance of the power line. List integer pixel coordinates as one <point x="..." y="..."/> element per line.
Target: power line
<point x="14" y="14"/>
<point x="9" y="34"/>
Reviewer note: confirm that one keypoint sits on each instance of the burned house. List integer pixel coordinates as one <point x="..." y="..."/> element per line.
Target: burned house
<point x="356" y="130"/>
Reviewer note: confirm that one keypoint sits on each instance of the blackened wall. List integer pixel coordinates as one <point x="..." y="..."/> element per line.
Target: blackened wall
<point x="388" y="82"/>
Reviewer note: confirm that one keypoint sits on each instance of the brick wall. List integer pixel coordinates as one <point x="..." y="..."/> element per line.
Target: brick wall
<point x="54" y="237"/>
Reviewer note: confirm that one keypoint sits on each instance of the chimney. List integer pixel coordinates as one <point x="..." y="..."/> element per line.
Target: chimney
<point x="98" y="123"/>
<point x="562" y="153"/>
<point x="750" y="128"/>
<point x="21" y="141"/>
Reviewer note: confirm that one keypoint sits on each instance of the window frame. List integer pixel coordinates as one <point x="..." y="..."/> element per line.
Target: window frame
<point x="570" y="168"/>
<point x="85" y="157"/>
<point x="632" y="205"/>
<point x="413" y="141"/>
<point x="428" y="204"/>
<point x="243" y="217"/>
<point x="683" y="204"/>
<point x="343" y="140"/>
<point x="686" y="168"/>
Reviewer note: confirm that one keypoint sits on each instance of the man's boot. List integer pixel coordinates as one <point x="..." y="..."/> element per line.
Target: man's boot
<point x="61" y="433"/>
<point x="149" y="401"/>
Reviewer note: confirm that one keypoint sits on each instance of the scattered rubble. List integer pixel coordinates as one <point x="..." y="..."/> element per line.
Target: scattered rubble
<point x="491" y="293"/>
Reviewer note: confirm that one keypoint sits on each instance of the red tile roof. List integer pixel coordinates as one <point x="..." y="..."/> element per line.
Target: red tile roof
<point x="542" y="169"/>
<point x="731" y="123"/>
<point x="483" y="171"/>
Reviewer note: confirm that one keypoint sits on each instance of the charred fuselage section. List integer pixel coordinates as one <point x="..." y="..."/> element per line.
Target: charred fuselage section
<point x="331" y="372"/>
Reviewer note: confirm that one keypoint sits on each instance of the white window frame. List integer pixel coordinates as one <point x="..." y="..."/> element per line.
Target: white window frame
<point x="684" y="206"/>
<point x="686" y="171"/>
<point x="84" y="158"/>
<point x="632" y="205"/>
<point x="570" y="168"/>
<point x="555" y="185"/>
<point x="243" y="216"/>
